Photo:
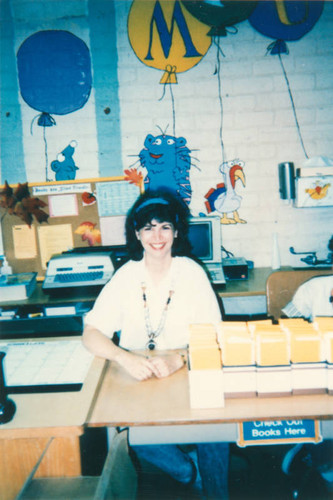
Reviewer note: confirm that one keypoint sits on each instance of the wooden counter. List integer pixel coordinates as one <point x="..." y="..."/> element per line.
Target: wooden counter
<point x="40" y="417"/>
<point x="123" y="401"/>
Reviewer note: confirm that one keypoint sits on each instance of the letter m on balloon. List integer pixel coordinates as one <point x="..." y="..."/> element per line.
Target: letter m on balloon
<point x="166" y="36"/>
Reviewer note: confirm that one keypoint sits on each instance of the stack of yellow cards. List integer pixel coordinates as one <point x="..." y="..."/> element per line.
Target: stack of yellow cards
<point x="273" y="362"/>
<point x="272" y="349"/>
<point x="205" y="367"/>
<point x="258" y="324"/>
<point x="238" y="360"/>
<point x="204" y="351"/>
<point x="237" y="348"/>
<point x="286" y="323"/>
<point x="324" y="325"/>
<point x="308" y="362"/>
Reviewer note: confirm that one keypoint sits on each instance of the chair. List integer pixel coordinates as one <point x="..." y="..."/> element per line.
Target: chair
<point x="280" y="289"/>
<point x="117" y="481"/>
<point x="281" y="286"/>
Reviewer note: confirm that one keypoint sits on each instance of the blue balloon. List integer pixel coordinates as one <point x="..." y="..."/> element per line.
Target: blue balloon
<point x="286" y="20"/>
<point x="54" y="72"/>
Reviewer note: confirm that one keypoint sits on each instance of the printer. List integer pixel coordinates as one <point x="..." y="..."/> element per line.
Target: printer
<point x="71" y="271"/>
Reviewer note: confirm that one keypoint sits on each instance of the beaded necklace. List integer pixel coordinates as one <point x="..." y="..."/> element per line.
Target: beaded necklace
<point x="151" y="344"/>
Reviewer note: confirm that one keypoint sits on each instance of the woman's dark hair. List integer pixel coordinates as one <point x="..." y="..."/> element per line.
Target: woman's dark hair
<point x="163" y="206"/>
<point x="330" y="244"/>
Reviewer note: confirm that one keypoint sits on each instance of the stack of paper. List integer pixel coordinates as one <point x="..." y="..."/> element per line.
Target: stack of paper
<point x="205" y="367"/>
<point x="306" y="347"/>
<point x="309" y="374"/>
<point x="237" y="348"/>
<point x="238" y="360"/>
<point x="258" y="324"/>
<point x="273" y="362"/>
<point x="324" y="325"/>
<point x="272" y="349"/>
<point x="204" y="351"/>
<point x="268" y="329"/>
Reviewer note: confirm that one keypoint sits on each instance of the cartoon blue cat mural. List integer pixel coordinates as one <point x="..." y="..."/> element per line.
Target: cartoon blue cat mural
<point x="167" y="161"/>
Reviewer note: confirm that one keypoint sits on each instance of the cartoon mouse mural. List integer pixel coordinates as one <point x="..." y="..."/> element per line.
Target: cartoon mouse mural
<point x="167" y="161"/>
<point x="64" y="166"/>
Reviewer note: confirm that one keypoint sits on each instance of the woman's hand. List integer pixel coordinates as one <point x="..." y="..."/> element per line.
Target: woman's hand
<point x="163" y="366"/>
<point x="138" y="366"/>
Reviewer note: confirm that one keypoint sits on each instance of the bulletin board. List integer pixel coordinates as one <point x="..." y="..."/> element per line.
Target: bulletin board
<point x="81" y="213"/>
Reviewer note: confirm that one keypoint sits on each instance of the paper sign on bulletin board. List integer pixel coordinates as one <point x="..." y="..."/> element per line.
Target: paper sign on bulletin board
<point x="74" y="208"/>
<point x="25" y="243"/>
<point x="278" y="432"/>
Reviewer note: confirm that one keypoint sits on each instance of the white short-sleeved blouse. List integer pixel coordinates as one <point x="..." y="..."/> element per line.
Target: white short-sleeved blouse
<point x="120" y="305"/>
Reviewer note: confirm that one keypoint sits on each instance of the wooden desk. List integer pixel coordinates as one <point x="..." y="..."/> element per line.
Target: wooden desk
<point x="38" y="418"/>
<point x="254" y="285"/>
<point x="246" y="297"/>
<point x="122" y="401"/>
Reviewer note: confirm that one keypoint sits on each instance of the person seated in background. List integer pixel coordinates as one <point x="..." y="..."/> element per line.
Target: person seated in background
<point x="313" y="298"/>
<point x="152" y="300"/>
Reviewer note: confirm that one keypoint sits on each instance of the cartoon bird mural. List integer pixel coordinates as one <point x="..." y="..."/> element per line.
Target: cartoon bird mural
<point x="223" y="198"/>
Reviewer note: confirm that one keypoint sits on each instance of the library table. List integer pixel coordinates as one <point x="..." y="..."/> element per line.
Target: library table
<point x="158" y="410"/>
<point x="56" y="419"/>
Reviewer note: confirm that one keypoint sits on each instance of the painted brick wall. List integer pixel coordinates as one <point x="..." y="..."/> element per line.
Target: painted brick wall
<point x="258" y="124"/>
<point x="258" y="127"/>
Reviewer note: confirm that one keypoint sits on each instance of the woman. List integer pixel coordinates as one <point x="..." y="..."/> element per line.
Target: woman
<point x="151" y="300"/>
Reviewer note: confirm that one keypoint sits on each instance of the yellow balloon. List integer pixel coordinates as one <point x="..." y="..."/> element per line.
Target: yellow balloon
<point x="165" y="36"/>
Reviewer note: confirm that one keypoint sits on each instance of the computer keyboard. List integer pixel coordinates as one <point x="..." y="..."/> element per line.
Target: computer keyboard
<point x="73" y="277"/>
<point x="45" y="366"/>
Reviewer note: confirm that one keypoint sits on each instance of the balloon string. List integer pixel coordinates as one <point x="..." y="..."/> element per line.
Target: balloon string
<point x="46" y="157"/>
<point x="173" y="106"/>
<point x="293" y="106"/>
<point x="173" y="112"/>
<point x="169" y="70"/>
<point x="32" y="122"/>
<point x="219" y="51"/>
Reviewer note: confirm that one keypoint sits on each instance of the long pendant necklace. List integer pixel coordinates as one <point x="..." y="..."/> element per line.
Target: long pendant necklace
<point x="151" y="344"/>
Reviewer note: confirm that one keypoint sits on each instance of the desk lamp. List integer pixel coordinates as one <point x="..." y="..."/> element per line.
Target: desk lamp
<point x="7" y="406"/>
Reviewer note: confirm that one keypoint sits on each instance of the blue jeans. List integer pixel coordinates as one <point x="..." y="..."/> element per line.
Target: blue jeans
<point x="213" y="464"/>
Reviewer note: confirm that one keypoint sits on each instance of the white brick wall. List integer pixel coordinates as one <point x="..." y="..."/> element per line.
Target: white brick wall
<point x="258" y="127"/>
<point x="258" y="121"/>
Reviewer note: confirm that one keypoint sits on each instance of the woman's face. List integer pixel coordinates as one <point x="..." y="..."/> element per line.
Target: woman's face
<point x="157" y="238"/>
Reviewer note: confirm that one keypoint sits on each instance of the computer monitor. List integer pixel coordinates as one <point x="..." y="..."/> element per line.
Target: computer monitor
<point x="205" y="238"/>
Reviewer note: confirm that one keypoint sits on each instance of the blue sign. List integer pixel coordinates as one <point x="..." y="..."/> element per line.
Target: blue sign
<point x="278" y="431"/>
